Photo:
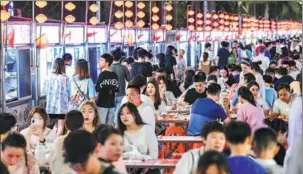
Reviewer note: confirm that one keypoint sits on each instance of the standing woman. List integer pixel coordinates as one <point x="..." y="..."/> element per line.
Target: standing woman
<point x="233" y="58"/>
<point x="82" y="86"/>
<point x="205" y="64"/>
<point x="56" y="88"/>
<point x="170" y="62"/>
<point x="249" y="110"/>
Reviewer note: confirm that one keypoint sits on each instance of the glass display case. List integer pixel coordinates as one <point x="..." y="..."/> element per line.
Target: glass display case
<point x="47" y="56"/>
<point x="17" y="65"/>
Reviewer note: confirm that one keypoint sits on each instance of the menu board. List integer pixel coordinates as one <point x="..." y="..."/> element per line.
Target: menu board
<point x="51" y="33"/>
<point x="22" y="33"/>
<point x="74" y="35"/>
<point x="96" y="35"/>
<point x="143" y="36"/>
<point x="182" y="35"/>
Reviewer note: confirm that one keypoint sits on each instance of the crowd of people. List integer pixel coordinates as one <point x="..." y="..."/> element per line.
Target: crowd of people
<point x="245" y="103"/>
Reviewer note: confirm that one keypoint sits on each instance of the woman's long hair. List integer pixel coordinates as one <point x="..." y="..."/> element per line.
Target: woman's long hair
<point x="157" y="101"/>
<point x="246" y="94"/>
<point x="82" y="69"/>
<point x="59" y="66"/>
<point x="135" y="113"/>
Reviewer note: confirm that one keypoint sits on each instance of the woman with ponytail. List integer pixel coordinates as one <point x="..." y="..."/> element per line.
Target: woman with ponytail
<point x="249" y="110"/>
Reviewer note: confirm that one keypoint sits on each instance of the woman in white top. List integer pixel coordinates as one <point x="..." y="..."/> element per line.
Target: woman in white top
<point x="282" y="105"/>
<point x="140" y="141"/>
<point x="56" y="88"/>
<point x="152" y="90"/>
<point x="255" y="90"/>
<point x="37" y="132"/>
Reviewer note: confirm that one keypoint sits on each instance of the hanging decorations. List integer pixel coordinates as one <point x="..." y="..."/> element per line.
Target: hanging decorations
<point x="119" y="14"/>
<point x="190" y="18"/>
<point x="199" y="21"/>
<point x="41" y="18"/>
<point x="70" y="7"/>
<point x="155" y="18"/>
<point x="94" y="8"/>
<point x="129" y="14"/>
<point x="4" y="15"/>
<point x="140" y="15"/>
<point x="208" y="19"/>
<point x="168" y="16"/>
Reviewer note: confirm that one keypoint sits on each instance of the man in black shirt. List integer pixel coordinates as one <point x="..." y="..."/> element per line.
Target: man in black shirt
<point x="199" y="91"/>
<point x="140" y="67"/>
<point x="106" y="87"/>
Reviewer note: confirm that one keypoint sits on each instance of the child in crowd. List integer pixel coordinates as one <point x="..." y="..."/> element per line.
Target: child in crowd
<point x="238" y="134"/>
<point x="213" y="137"/>
<point x="212" y="162"/>
<point x="265" y="145"/>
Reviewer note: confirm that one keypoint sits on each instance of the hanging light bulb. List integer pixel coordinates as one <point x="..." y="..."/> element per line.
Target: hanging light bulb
<point x="94" y="8"/>
<point x="129" y="23"/>
<point x="199" y="15"/>
<point x="70" y="18"/>
<point x="118" y="3"/>
<point x="199" y="22"/>
<point x="4" y="15"/>
<point x="140" y="23"/>
<point x="191" y="20"/>
<point x="119" y="14"/>
<point x="4" y="3"/>
<point x="191" y="27"/>
<point x="208" y="15"/>
<point x="141" y="5"/>
<point x="94" y="20"/>
<point x="70" y="6"/>
<point x="129" y="13"/>
<point x="168" y="17"/>
<point x="119" y="25"/>
<point x="169" y="27"/>
<point x="215" y="16"/>
<point x="41" y="18"/>
<point x="155" y="18"/>
<point x="191" y="12"/>
<point x="41" y="4"/>
<point x="199" y="28"/>
<point x="129" y="4"/>
<point x="141" y="14"/>
<point x="155" y="26"/>
<point x="155" y="9"/>
<point x="168" y="7"/>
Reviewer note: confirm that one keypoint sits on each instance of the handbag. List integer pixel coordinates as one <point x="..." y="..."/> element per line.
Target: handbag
<point x="78" y="98"/>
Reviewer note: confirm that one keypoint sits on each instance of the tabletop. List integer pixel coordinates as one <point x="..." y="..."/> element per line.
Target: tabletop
<point x="159" y="163"/>
<point x="179" y="139"/>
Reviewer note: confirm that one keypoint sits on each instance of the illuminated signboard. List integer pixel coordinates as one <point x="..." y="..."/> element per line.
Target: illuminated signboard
<point x="118" y="36"/>
<point x="96" y="35"/>
<point x="22" y="33"/>
<point x="74" y="35"/>
<point x="143" y="36"/>
<point x="51" y="33"/>
<point x="183" y="36"/>
<point x="159" y="36"/>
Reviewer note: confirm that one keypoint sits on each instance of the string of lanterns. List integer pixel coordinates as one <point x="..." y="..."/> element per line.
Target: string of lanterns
<point x="140" y="15"/>
<point x="119" y="15"/>
<point x="155" y="18"/>
<point x="190" y="18"/>
<point x="41" y="18"/>
<point x="168" y="16"/>
<point x="70" y="7"/>
<point x="94" y="8"/>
